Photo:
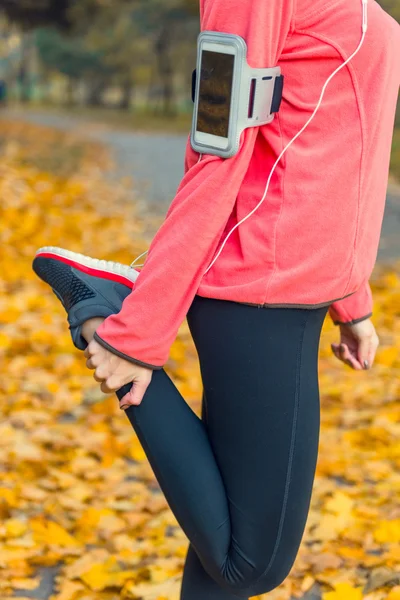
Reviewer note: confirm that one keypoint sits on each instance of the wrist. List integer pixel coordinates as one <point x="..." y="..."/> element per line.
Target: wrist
<point x="353" y="321"/>
<point x="117" y="352"/>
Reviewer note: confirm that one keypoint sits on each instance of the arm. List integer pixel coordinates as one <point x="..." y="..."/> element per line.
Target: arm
<point x="145" y="328"/>
<point x="358" y="343"/>
<point x="354" y="308"/>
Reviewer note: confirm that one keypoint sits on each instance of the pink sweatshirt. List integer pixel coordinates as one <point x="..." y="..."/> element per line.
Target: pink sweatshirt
<point x="314" y="240"/>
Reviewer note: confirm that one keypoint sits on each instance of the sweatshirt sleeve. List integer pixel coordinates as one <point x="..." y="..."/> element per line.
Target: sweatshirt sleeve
<point x="183" y="247"/>
<point x="354" y="308"/>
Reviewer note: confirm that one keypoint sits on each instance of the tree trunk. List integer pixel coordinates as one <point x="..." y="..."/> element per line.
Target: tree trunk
<point x="70" y="92"/>
<point x="95" y="93"/>
<point x="165" y="69"/>
<point x="127" y="88"/>
<point x="24" y="70"/>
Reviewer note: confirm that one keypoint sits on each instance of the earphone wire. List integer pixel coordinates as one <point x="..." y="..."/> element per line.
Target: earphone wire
<point x="136" y="259"/>
<point x="364" y="30"/>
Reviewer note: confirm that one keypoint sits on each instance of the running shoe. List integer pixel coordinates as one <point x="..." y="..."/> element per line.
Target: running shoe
<point x="87" y="287"/>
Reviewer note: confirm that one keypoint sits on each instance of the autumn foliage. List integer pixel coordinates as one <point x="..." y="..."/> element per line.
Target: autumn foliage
<point x="76" y="491"/>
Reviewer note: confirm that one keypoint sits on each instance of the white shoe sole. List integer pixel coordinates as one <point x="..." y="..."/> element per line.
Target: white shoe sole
<point x="105" y="269"/>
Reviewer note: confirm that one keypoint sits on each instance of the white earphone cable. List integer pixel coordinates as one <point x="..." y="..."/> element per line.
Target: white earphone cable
<point x="136" y="259"/>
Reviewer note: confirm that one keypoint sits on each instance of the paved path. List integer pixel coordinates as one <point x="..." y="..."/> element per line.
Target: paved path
<point x="155" y="163"/>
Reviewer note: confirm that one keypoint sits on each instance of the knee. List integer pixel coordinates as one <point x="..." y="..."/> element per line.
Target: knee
<point x="255" y="582"/>
<point x="272" y="578"/>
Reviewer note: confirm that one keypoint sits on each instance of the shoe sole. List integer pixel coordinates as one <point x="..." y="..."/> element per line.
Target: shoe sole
<point x="104" y="269"/>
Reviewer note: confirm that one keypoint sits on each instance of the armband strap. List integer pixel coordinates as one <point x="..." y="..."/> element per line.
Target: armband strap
<point x="276" y="99"/>
<point x="278" y="92"/>
<point x="194" y="85"/>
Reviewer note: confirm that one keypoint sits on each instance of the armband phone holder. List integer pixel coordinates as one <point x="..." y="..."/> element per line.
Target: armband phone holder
<point x="229" y="96"/>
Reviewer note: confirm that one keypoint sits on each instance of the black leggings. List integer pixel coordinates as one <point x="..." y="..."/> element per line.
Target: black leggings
<point x="239" y="480"/>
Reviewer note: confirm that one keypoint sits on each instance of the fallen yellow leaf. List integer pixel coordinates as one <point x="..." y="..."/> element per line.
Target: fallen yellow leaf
<point x="343" y="591"/>
<point x="388" y="531"/>
<point x="394" y="593"/>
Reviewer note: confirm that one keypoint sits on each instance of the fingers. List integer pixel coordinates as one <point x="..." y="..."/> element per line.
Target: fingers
<point x="342" y="352"/>
<point x="135" y="396"/>
<point x="367" y="350"/>
<point x="99" y="377"/>
<point x="92" y="357"/>
<point x="91" y="363"/>
<point x="105" y="386"/>
<point x="348" y="358"/>
<point x="92" y="349"/>
<point x="137" y="393"/>
<point x="87" y="352"/>
<point x="114" y="383"/>
<point x="100" y="372"/>
<point x="111" y="383"/>
<point x="95" y="362"/>
<point x="113" y="373"/>
<point x="360" y="359"/>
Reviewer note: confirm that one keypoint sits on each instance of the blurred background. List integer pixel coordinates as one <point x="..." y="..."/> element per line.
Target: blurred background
<point x="95" y="110"/>
<point x="125" y="54"/>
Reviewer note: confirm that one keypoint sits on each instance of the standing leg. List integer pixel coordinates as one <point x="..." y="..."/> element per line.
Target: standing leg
<point x="240" y="488"/>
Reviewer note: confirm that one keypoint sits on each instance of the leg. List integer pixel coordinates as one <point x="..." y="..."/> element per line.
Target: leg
<point x="259" y="370"/>
<point x="197" y="584"/>
<point x="240" y="487"/>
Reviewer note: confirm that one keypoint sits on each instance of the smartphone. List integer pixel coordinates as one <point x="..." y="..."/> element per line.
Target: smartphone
<point x="214" y="110"/>
<point x="229" y="96"/>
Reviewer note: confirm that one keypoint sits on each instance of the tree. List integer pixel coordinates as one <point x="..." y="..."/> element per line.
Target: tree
<point x="170" y="25"/>
<point x="116" y="36"/>
<point x="69" y="55"/>
<point x="32" y="14"/>
<point x="132" y="34"/>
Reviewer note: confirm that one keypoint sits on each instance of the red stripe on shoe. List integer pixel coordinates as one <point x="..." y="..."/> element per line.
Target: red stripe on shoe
<point x="89" y="270"/>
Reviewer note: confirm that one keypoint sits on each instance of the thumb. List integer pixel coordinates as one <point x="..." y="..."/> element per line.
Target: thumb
<point x="364" y="352"/>
<point x="135" y="396"/>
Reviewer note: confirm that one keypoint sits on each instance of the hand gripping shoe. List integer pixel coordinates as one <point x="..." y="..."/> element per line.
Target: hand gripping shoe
<point x="87" y="287"/>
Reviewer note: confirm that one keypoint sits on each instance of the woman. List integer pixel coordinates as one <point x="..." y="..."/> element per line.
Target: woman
<point x="239" y="480"/>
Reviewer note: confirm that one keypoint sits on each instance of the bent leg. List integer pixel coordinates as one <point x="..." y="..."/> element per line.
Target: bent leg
<point x="240" y="487"/>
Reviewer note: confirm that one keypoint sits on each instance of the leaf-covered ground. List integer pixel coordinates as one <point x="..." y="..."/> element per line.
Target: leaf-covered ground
<point x="77" y="496"/>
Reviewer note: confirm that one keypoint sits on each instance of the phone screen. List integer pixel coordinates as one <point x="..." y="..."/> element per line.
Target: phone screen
<point x="216" y="78"/>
